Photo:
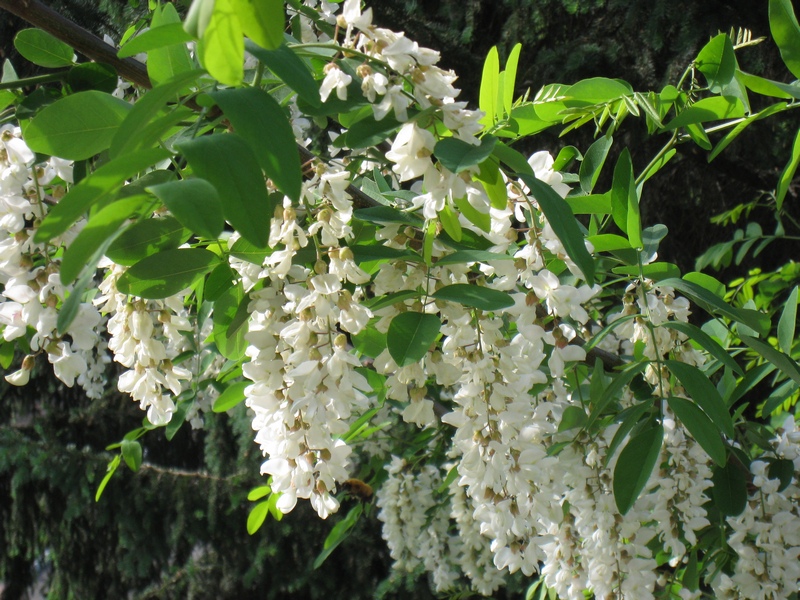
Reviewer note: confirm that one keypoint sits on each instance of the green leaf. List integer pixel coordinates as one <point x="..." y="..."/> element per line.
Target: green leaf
<point x="704" y="394"/>
<point x="219" y="280"/>
<point x="369" y="342"/>
<point x="132" y="454"/>
<point x="634" y="466"/>
<point x="701" y="428"/>
<point x="474" y="296"/>
<point x="449" y="221"/>
<point x="110" y="470"/>
<point x="492" y="181"/>
<point x="370" y="252"/>
<point x="593" y="162"/>
<point x="195" y="203"/>
<point x="78" y="126"/>
<point x="730" y="489"/>
<point x="786" y="33"/>
<point x="250" y="252"/>
<point x="574" y="416"/>
<point x="783" y="361"/>
<point x="166" y="273"/>
<point x="787" y="175"/>
<point x="480" y="219"/>
<point x="471" y="256"/>
<point x="230" y="320"/>
<point x="510" y="77"/>
<point x="783" y="470"/>
<point x="339" y="533"/>
<point x="263" y="124"/>
<point x="596" y="90"/>
<point x="490" y="84"/>
<point x="232" y="396"/>
<point x="655" y="271"/>
<point x="130" y="134"/>
<point x="257" y="517"/>
<point x="561" y="219"/>
<point x="706" y="342"/>
<point x="708" y="109"/>
<point x="155" y="38"/>
<point x="410" y="335"/>
<point x="656" y="166"/>
<point x="708" y="301"/>
<point x="379" y="302"/>
<point x="165" y="62"/>
<point x="787" y="322"/>
<point x="262" y="21"/>
<point x="290" y="68"/>
<point x="629" y="419"/>
<point x="98" y="188"/>
<point x="734" y="133"/>
<point x="92" y="76"/>
<point x="527" y="121"/>
<point x="101" y="226"/>
<point x="259" y="492"/>
<point x="146" y="237"/>
<point x="221" y="48"/>
<point x="457" y="155"/>
<point x="386" y="214"/>
<point x="608" y="241"/>
<point x="717" y="62"/>
<point x="511" y="158"/>
<point x="228" y="163"/>
<point x="769" y="87"/>
<point x="594" y="204"/>
<point x="43" y="49"/>
<point x="625" y="200"/>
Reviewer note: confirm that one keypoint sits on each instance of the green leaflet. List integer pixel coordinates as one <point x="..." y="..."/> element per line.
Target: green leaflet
<point x="43" y="49"/>
<point x="786" y="33"/>
<point x="593" y="161"/>
<point x="232" y="396"/>
<point x="784" y="362"/>
<point x="717" y="62"/>
<point x="474" y="296"/>
<point x="101" y="226"/>
<point x="98" y="188"/>
<point x="730" y="488"/>
<point x="164" y="35"/>
<point x="166" y="273"/>
<point x="715" y="108"/>
<point x="704" y="394"/>
<point x="787" y="322"/>
<point x="457" y="155"/>
<point x="230" y="322"/>
<point x="410" y="336"/>
<point x="228" y="163"/>
<point x="290" y="68"/>
<point x="221" y="47"/>
<point x="788" y="172"/>
<point x="147" y="237"/>
<point x="262" y="21"/>
<point x="195" y="203"/>
<point x="78" y="126"/>
<point x="634" y="466"/>
<point x="164" y="62"/>
<point x="711" y="302"/>
<point x="490" y="86"/>
<point x="701" y="428"/>
<point x="561" y="219"/>
<point x="263" y="124"/>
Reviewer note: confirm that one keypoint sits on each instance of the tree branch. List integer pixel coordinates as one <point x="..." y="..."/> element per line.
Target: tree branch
<point x="88" y="44"/>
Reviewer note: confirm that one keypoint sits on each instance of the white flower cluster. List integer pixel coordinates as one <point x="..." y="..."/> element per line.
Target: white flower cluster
<point x="766" y="536"/>
<point x="29" y="272"/>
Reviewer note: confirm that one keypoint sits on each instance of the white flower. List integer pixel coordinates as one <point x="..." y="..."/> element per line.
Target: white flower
<point x="335" y="79"/>
<point x="411" y="151"/>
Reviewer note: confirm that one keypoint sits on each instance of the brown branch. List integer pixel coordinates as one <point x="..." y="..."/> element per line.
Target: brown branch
<point x="88" y="44"/>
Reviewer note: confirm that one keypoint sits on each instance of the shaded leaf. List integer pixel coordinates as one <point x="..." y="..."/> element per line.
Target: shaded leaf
<point x="457" y="155"/>
<point x="634" y="466"/>
<point x="43" y="49"/>
<point x="701" y="428"/>
<point x="410" y="335"/>
<point x="166" y="273"/>
<point x="704" y="394"/>
<point x="729" y="489"/>
<point x="474" y="296"/>
<point x="195" y="203"/>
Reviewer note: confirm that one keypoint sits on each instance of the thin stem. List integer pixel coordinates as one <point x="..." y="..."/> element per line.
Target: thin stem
<point x="31" y="81"/>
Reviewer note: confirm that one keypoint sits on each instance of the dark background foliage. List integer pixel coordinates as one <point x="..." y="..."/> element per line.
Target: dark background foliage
<point x="176" y="529"/>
